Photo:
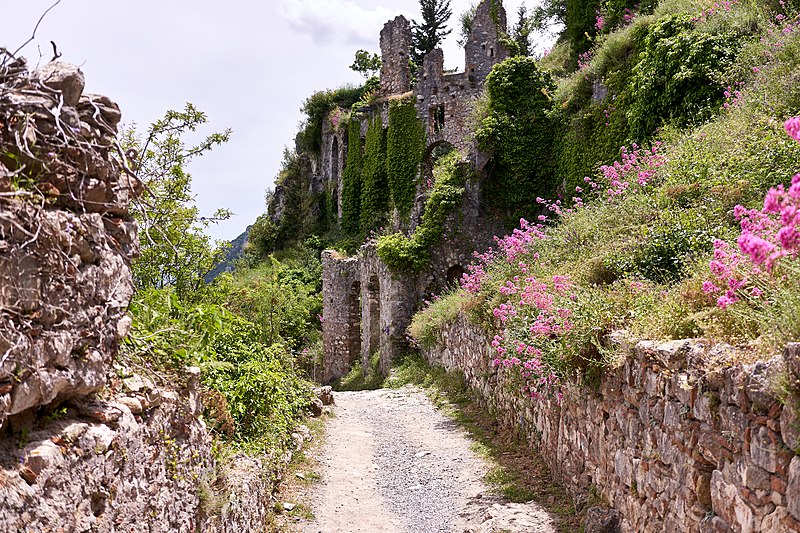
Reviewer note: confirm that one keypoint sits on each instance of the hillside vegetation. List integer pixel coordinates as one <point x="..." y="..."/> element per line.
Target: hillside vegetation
<point x="674" y="213"/>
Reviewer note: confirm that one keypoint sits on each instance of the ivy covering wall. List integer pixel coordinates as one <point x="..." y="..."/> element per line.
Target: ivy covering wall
<point x="405" y="146"/>
<point x="351" y="188"/>
<point x="518" y="131"/>
<point x="375" y="192"/>
<point x="402" y="253"/>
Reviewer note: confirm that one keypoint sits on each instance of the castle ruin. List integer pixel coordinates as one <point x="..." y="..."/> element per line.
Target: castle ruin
<point x="368" y="307"/>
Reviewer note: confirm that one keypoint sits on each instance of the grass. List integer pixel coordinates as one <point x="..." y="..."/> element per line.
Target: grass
<point x="357" y="379"/>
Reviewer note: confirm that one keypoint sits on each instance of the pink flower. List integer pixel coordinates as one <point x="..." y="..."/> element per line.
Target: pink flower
<point x="792" y="127"/>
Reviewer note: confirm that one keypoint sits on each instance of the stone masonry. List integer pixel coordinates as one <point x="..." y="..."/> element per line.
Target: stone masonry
<point x="671" y="443"/>
<point x="444" y="104"/>
<point x="85" y="444"/>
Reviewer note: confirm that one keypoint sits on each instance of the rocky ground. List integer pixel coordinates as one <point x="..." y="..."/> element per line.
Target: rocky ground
<point x="391" y="462"/>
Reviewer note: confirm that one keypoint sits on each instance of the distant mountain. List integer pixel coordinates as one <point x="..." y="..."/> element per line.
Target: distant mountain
<point x="231" y="255"/>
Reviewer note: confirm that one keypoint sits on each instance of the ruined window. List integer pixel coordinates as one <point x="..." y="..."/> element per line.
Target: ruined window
<point x="491" y="52"/>
<point x="437" y="118"/>
<point x="454" y="274"/>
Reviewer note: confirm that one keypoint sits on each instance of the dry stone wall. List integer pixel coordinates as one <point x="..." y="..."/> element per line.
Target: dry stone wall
<point x="668" y="443"/>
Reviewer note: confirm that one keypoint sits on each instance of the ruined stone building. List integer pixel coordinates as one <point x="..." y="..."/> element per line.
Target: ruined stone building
<point x="367" y="307"/>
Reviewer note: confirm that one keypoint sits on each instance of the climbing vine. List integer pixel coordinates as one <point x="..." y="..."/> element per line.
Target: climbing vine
<point x="413" y="253"/>
<point x="405" y="145"/>
<point x="375" y="192"/>
<point x="518" y="131"/>
<point x="351" y="189"/>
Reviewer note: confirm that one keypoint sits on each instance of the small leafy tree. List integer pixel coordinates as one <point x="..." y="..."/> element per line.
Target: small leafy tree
<point x="433" y="29"/>
<point x="174" y="250"/>
<point x="465" y="19"/>
<point x="366" y="64"/>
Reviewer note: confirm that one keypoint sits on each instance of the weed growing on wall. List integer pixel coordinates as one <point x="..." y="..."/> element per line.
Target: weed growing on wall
<point x="405" y="145"/>
<point x="413" y="253"/>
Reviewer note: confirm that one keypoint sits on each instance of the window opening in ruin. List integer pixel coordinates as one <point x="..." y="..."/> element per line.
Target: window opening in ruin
<point x="374" y="309"/>
<point x="354" y="323"/>
<point x="437" y="118"/>
<point x="335" y="160"/>
<point x="491" y="52"/>
<point x="454" y="274"/>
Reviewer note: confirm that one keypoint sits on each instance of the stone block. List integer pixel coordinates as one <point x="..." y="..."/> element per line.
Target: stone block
<point x="602" y="520"/>
<point x="793" y="488"/>
<point x="790" y="423"/>
<point x="728" y="503"/>
<point x="768" y="451"/>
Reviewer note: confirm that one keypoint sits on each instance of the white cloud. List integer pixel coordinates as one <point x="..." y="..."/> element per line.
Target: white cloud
<point x="336" y="21"/>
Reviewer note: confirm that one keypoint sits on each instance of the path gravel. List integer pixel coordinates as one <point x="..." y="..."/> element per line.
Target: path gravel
<point x="393" y="463"/>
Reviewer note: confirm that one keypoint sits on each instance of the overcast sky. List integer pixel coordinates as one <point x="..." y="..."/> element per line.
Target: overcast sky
<point x="249" y="65"/>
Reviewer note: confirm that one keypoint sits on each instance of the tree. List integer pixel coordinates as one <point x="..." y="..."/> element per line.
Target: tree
<point x="521" y="32"/>
<point x="550" y="13"/>
<point x="175" y="252"/>
<point x="465" y="19"/>
<point x="366" y="64"/>
<point x="430" y="33"/>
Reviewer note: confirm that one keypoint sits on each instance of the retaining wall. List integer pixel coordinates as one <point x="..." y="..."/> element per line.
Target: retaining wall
<point x="671" y="445"/>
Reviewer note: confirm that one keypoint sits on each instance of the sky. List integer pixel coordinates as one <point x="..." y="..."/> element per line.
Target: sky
<point x="249" y="65"/>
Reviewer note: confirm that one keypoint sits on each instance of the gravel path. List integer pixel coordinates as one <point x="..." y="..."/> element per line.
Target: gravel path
<point x="393" y="463"/>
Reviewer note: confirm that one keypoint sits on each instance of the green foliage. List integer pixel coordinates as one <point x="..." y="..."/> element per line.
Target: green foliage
<point x="403" y="253"/>
<point x="427" y="324"/>
<point x="174" y="251"/>
<point x="317" y="107"/>
<point x="521" y="32"/>
<point x="366" y="64"/>
<point x="548" y="14"/>
<point x="405" y="145"/>
<point x="674" y="79"/>
<point x="518" y="130"/>
<point x="262" y="237"/>
<point x="465" y="24"/>
<point x="429" y="33"/>
<point x="282" y="299"/>
<point x="579" y="24"/>
<point x="375" y="193"/>
<point x="351" y="188"/>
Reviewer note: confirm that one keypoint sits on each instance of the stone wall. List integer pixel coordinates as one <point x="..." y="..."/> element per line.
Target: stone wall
<point x="670" y="444"/>
<point x="85" y="445"/>
<point x="395" y="52"/>
<point x="66" y="238"/>
<point x="140" y="460"/>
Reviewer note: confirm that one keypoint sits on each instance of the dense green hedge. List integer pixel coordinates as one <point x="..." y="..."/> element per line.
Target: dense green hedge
<point x="375" y="192"/>
<point x="405" y="146"/>
<point x="675" y="79"/>
<point x="351" y="188"/>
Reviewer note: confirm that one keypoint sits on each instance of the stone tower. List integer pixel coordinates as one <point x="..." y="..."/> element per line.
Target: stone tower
<point x="395" y="51"/>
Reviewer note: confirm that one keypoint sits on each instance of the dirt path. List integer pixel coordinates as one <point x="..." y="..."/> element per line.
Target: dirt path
<point x="393" y="463"/>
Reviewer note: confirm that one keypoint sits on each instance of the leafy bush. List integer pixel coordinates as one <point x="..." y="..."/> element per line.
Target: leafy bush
<point x="317" y="107"/>
<point x="675" y="77"/>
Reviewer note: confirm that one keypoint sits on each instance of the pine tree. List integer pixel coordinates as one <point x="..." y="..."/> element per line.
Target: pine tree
<point x="433" y="29"/>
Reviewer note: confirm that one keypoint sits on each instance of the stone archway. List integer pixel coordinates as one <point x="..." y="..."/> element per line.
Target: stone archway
<point x="372" y="322"/>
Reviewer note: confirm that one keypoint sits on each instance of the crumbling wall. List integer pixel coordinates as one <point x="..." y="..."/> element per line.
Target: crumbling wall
<point x="395" y="52"/>
<point x="341" y="326"/>
<point x="678" y="438"/>
<point x="86" y="445"/>
<point x="66" y="237"/>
